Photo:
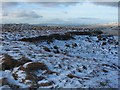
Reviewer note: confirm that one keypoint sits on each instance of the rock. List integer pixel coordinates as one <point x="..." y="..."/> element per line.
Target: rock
<point x="32" y="77"/>
<point x="15" y="76"/>
<point x="48" y="42"/>
<point x="50" y="55"/>
<point x="50" y="38"/>
<point x="51" y="72"/>
<point x="84" y="67"/>
<point x="47" y="49"/>
<point x="97" y="41"/>
<point x="72" y="76"/>
<point x="99" y="37"/>
<point x="104" y="43"/>
<point x="22" y="68"/>
<point x="88" y="39"/>
<point x="104" y="70"/>
<point x="111" y="41"/>
<point x="10" y="63"/>
<point x="98" y="32"/>
<point x="24" y="60"/>
<point x="33" y="66"/>
<point x="74" y="45"/>
<point x="4" y="81"/>
<point x="79" y="70"/>
<point x="46" y="84"/>
<point x="117" y="43"/>
<point x="103" y="83"/>
<point x="55" y="47"/>
<point x="56" y="51"/>
<point x="30" y="70"/>
<point x="104" y="39"/>
<point x="112" y="66"/>
<point x="67" y="45"/>
<point x="40" y="78"/>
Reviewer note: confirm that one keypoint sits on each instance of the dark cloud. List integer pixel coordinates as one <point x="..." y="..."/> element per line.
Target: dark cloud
<point x="53" y="0"/>
<point x="113" y="4"/>
<point x="9" y="4"/>
<point x="54" y="4"/>
<point x="23" y="14"/>
<point x="46" y="4"/>
<point x="30" y="14"/>
<point x="57" y="3"/>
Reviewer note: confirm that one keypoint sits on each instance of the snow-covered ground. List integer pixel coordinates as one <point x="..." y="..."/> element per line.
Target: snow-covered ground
<point x="87" y="61"/>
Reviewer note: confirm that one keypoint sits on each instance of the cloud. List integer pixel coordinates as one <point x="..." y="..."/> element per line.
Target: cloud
<point x="113" y="4"/>
<point x="9" y="4"/>
<point x="74" y="21"/>
<point x="54" y="0"/>
<point x="65" y="12"/>
<point x="59" y="12"/>
<point x="88" y="18"/>
<point x="84" y="18"/>
<point x="23" y="14"/>
<point x="55" y="4"/>
<point x="30" y="14"/>
<point x="4" y="14"/>
<point x="59" y="0"/>
<point x="72" y="0"/>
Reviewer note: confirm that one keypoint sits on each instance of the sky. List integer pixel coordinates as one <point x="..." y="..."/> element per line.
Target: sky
<point x="65" y="13"/>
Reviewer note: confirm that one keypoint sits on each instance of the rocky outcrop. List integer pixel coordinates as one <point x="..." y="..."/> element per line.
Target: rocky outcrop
<point x="33" y="66"/>
<point x="66" y="36"/>
<point x="48" y="38"/>
<point x="8" y="62"/>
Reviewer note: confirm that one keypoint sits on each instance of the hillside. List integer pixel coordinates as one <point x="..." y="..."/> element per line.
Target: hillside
<point x="58" y="57"/>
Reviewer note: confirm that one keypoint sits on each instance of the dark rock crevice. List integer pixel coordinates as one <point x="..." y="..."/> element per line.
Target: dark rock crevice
<point x="66" y="36"/>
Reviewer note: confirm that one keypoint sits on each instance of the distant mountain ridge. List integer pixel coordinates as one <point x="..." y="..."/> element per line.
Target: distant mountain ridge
<point x="110" y="24"/>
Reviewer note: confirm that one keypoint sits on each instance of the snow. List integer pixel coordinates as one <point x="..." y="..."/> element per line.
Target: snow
<point x="21" y="75"/>
<point x="7" y="74"/>
<point x="25" y="65"/>
<point x="84" y="60"/>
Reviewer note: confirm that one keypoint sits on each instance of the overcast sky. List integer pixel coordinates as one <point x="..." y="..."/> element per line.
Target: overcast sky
<point x="59" y="12"/>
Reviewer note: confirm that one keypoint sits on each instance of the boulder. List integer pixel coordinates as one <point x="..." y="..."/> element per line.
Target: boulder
<point x="8" y="62"/>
